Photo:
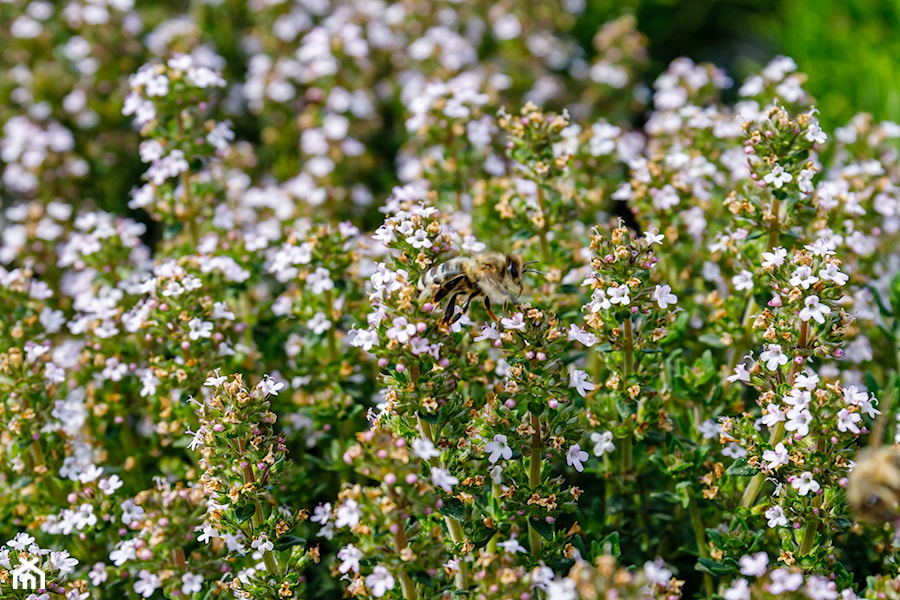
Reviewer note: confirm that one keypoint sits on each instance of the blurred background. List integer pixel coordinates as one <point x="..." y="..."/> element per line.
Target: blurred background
<point x="66" y="70"/>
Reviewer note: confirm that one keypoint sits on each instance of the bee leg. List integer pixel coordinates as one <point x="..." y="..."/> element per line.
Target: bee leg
<point x="447" y="288"/>
<point x="465" y="306"/>
<point x="448" y="317"/>
<point x="487" y="307"/>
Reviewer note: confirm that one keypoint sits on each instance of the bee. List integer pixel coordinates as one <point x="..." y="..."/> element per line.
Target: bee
<point x="873" y="487"/>
<point x="494" y="276"/>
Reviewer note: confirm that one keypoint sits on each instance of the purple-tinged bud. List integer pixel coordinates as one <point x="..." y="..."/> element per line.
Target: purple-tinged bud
<point x="421" y="327"/>
<point x="529" y="355"/>
<point x="428" y="307"/>
<point x="775" y="302"/>
<point x="401" y="368"/>
<point x="382" y="362"/>
<point x="382" y="454"/>
<point x="411" y="478"/>
<point x="552" y="403"/>
<point x="541" y="356"/>
<point x="510" y="404"/>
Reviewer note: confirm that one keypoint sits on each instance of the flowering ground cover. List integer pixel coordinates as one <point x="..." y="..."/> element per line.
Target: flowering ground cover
<point x="221" y="373"/>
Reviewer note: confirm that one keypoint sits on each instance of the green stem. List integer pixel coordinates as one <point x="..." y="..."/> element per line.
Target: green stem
<point x="628" y="349"/>
<point x="400" y="541"/>
<point x="774" y="224"/>
<point x="887" y="403"/>
<point x="258" y="516"/>
<point x="737" y="349"/>
<point x="330" y="333"/>
<point x="700" y="536"/>
<point x="812" y="524"/>
<point x="495" y="513"/>
<point x="777" y="435"/>
<point x="534" y="480"/>
<point x="453" y="527"/>
<point x="542" y="234"/>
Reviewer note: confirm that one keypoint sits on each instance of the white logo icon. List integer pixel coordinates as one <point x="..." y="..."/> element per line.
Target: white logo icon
<point x="27" y="576"/>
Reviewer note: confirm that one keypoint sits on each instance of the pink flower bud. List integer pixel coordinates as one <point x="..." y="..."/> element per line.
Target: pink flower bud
<point x="775" y="302"/>
<point x="510" y="404"/>
<point x="390" y="479"/>
<point x="421" y="327"/>
<point x="529" y="355"/>
<point x="428" y="307"/>
<point x="401" y="368"/>
<point x="411" y="478"/>
<point x="382" y="362"/>
<point x="382" y="454"/>
<point x="541" y="356"/>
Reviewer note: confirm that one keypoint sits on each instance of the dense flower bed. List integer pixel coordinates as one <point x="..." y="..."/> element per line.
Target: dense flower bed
<point x="240" y="387"/>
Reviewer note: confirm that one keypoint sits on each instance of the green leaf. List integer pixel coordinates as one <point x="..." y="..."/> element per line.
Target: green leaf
<point x="711" y="339"/>
<point x="536" y="408"/>
<point x="741" y="468"/>
<point x="288" y="541"/>
<point x="429" y="417"/>
<point x="454" y="508"/>
<point x="713" y="567"/>
<point x="624" y="409"/>
<point x="243" y="513"/>
<point x="482" y="537"/>
<point x="780" y="194"/>
<point x="544" y="529"/>
<point x="608" y="546"/>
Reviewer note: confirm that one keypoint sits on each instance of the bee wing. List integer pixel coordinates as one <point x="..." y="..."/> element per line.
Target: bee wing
<point x="493" y="288"/>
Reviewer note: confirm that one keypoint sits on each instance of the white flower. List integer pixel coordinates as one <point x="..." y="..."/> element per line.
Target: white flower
<point x="216" y="380"/>
<point x="319" y="324"/>
<point x="563" y="589"/>
<point x="602" y="442"/>
<point x="517" y="322"/>
<point x="847" y="421"/>
<point x="347" y="514"/>
<point x="262" y="543"/>
<point x="498" y="449"/>
<point x="754" y="566"/>
<point x="147" y="583"/>
<point x="380" y="581"/>
<point x="199" y="329"/>
<point x="803" y="276"/>
<point x="777" y="177"/>
<point x="739" y="590"/>
<point x="419" y="239"/>
<point x="191" y="583"/>
<point x="776" y="517"/>
<point x="269" y="386"/>
<point x="805" y="484"/>
<point x="578" y="379"/>
<point x="619" y="295"/>
<point x="832" y="273"/>
<point x="776" y="458"/>
<point x="775" y="258"/>
<point x="599" y="301"/>
<point x="798" y="420"/>
<point x="773" y="356"/>
<point x="814" y="310"/>
<point x="743" y="281"/>
<point x="424" y="449"/>
<point x="575" y="457"/>
<point x="401" y="330"/>
<point x="443" y="479"/>
<point x="349" y="556"/>
<point x="578" y="334"/>
<point x="740" y="374"/>
<point x="664" y="296"/>
<point x="319" y="281"/>
<point x="511" y="546"/>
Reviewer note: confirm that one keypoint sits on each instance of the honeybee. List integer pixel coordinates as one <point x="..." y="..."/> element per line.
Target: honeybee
<point x="495" y="276"/>
<point x="873" y="487"/>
